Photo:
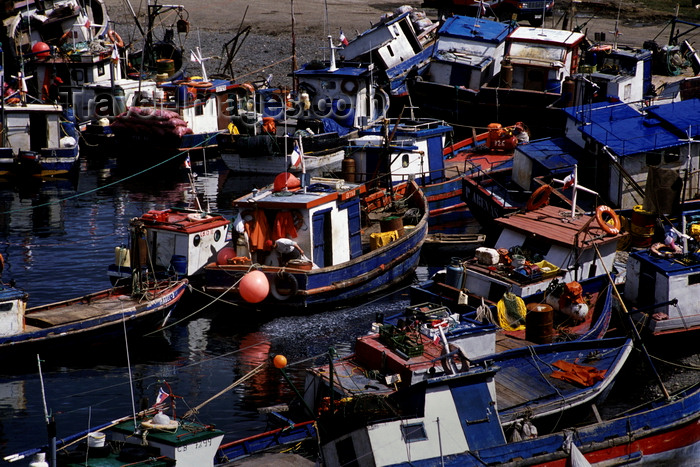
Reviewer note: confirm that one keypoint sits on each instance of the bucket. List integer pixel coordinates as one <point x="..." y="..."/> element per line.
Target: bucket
<point x="165" y="65"/>
<point x="455" y="274"/>
<point x="179" y="264"/>
<point x="96" y="439"/>
<point x="392" y="223"/>
<point x="539" y="326"/>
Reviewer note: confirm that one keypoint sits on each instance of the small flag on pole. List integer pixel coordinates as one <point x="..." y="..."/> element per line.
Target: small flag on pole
<point x="343" y="39"/>
<point x="569" y="181"/>
<point x="296" y="155"/>
<point x="194" y="58"/>
<point x="188" y="164"/>
<point x="162" y="395"/>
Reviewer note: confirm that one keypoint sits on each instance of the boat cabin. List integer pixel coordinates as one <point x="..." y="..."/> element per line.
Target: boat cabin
<point x="171" y="242"/>
<point x="627" y="145"/>
<point x="468" y="52"/>
<point x="13" y="304"/>
<point x="397" y="45"/>
<point x="415" y="151"/>
<point x="539" y="59"/>
<point x="540" y="245"/>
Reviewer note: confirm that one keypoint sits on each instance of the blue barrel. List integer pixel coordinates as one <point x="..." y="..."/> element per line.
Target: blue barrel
<point x="179" y="264"/>
<point x="455" y="274"/>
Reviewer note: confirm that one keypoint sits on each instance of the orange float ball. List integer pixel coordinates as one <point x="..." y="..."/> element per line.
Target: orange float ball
<point x="225" y="254"/>
<point x="280" y="361"/>
<point x="254" y="287"/>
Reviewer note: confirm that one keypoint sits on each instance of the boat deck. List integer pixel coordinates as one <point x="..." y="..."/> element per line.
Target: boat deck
<point x="73" y="312"/>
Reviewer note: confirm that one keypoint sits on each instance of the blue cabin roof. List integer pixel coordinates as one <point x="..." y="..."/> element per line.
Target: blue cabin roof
<point x="482" y="30"/>
<point x="312" y="69"/>
<point x="553" y="154"/>
<point x="683" y="115"/>
<point x="8" y="293"/>
<point x="624" y="130"/>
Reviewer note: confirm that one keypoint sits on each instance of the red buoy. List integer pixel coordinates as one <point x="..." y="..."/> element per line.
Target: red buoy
<point x="41" y="50"/>
<point x="225" y="254"/>
<point x="254" y="287"/>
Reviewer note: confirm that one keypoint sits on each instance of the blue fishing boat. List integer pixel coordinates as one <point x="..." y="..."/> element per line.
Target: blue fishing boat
<point x="325" y="243"/>
<point x="83" y="321"/>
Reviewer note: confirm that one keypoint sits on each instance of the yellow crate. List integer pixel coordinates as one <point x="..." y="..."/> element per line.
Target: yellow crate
<point x="547" y="269"/>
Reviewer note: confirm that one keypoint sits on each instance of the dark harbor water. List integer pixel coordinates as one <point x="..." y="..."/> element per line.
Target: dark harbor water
<point x="57" y="239"/>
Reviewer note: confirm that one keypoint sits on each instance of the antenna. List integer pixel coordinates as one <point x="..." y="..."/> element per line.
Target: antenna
<point x="333" y="66"/>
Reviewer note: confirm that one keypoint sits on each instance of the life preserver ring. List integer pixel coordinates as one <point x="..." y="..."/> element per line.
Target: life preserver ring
<point x="115" y="38"/>
<point x="348" y="86"/>
<point x="170" y="426"/>
<point x="603" y="210"/>
<point x="283" y="285"/>
<point x="539" y="198"/>
<point x="661" y="250"/>
<point x="459" y="361"/>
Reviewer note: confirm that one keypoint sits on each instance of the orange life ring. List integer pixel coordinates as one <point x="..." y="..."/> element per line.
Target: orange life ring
<point x="539" y="198"/>
<point x="200" y="84"/>
<point x="612" y="229"/>
<point x="115" y="38"/>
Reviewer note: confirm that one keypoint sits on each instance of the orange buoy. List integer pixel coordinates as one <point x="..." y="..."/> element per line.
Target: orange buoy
<point x="254" y="287"/>
<point x="280" y="361"/>
<point x="225" y="254"/>
<point x="41" y="50"/>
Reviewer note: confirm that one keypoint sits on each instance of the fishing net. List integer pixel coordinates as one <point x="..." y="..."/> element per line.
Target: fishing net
<point x="511" y="312"/>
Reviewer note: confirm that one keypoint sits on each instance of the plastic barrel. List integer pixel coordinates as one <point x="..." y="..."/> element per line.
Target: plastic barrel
<point x="165" y="65"/>
<point x="539" y="326"/>
<point x="642" y="227"/>
<point x="179" y="264"/>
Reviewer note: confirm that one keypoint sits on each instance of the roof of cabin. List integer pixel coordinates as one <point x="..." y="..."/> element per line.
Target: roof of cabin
<point x="546" y="36"/>
<point x="475" y="29"/>
<point x="625" y="130"/>
<point x="683" y="115"/>
<point x="555" y="224"/>
<point x="551" y="153"/>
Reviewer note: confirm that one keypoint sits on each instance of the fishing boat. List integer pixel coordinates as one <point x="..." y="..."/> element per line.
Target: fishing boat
<point x="540" y="318"/>
<point x="86" y="320"/>
<point x="393" y="389"/>
<point x="150" y="436"/>
<point x="467" y="54"/>
<point x="39" y="139"/>
<point x="326" y="243"/>
<point x="416" y="149"/>
<point x="660" y="281"/>
<point x="441" y="428"/>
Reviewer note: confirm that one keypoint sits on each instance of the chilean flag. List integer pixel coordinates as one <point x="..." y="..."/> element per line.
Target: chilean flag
<point x="568" y="181"/>
<point x="343" y="39"/>
<point x="162" y="395"/>
<point x="188" y="164"/>
<point x="296" y="155"/>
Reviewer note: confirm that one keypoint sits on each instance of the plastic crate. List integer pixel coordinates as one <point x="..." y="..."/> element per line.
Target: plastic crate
<point x="547" y="269"/>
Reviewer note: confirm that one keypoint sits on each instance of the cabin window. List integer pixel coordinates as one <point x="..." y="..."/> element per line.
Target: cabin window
<point x="329" y="85"/>
<point x="217" y="235"/>
<point x="391" y="52"/>
<point x="7" y="306"/>
<point x="414" y="432"/>
<point x="672" y="156"/>
<point x="653" y="158"/>
<point x="536" y="246"/>
<point x="196" y="240"/>
<point x="694" y="279"/>
<point x="346" y="452"/>
<point x="100" y="70"/>
<point x="199" y="109"/>
<point x="404" y="161"/>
